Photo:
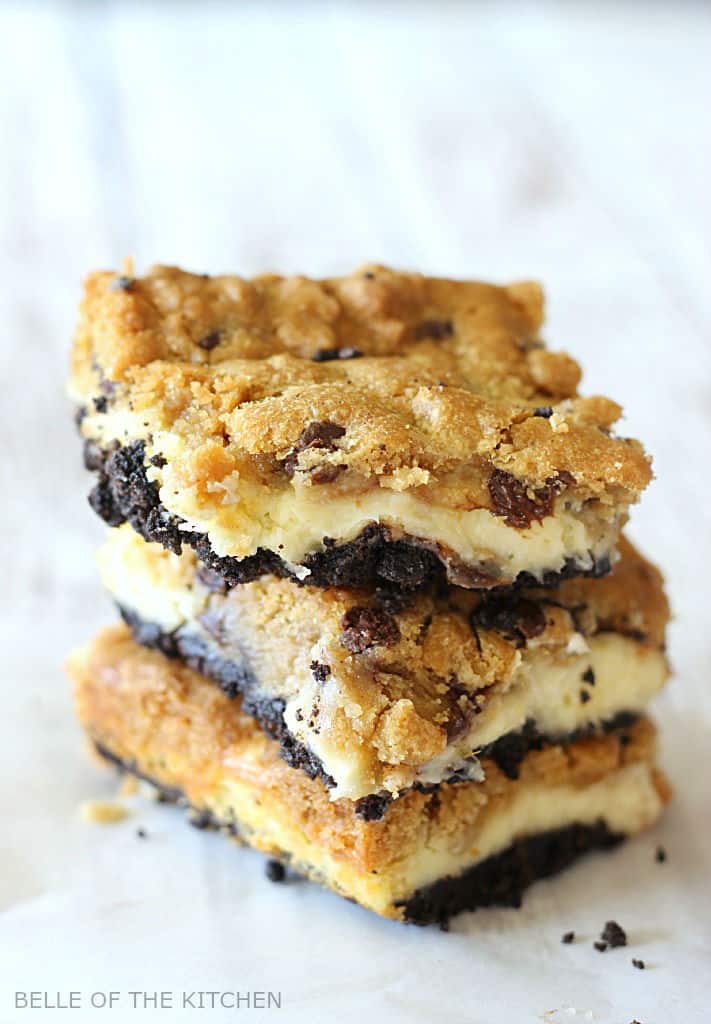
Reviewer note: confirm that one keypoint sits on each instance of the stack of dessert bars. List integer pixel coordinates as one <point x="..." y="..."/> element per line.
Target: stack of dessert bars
<point x="379" y="620"/>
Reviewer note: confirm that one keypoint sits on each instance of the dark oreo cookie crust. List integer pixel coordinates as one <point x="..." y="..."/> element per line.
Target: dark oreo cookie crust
<point x="507" y="752"/>
<point x="499" y="880"/>
<point x="123" y="493"/>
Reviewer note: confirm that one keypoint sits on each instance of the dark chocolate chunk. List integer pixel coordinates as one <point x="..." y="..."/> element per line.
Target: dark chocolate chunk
<point x="210" y="341"/>
<point x="438" y="330"/>
<point x="601" y="947"/>
<point x="589" y="676"/>
<point x="275" y="871"/>
<point x="584" y="696"/>
<point x="101" y="403"/>
<point x="568" y="937"/>
<point x="613" y="934"/>
<point x="639" y="964"/>
<point x="327" y="355"/>
<point x="159" y="461"/>
<point x="660" y="855"/>
<point x="363" y="628"/>
<point x="511" y="500"/>
<point x="320" y="672"/>
<point x="544" y="411"/>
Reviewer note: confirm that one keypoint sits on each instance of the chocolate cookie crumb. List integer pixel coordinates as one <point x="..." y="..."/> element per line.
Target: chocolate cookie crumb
<point x="122" y="284"/>
<point x="201" y="819"/>
<point x="584" y="696"/>
<point x="544" y="411"/>
<point x="363" y="628"/>
<point x="320" y="671"/>
<point x="568" y="937"/>
<point x="517" y="618"/>
<point x="438" y="330"/>
<point x="613" y="934"/>
<point x="660" y="855"/>
<point x="327" y="355"/>
<point x="210" y="341"/>
<point x="274" y="870"/>
<point x="600" y="946"/>
<point x="639" y="964"/>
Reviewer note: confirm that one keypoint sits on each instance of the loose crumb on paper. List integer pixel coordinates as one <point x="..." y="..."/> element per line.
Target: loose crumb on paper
<point x="102" y="812"/>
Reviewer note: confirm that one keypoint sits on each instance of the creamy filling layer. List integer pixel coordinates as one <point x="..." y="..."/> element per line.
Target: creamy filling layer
<point x="294" y="522"/>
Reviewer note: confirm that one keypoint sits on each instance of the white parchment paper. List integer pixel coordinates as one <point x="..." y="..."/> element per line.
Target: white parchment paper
<point x="568" y="142"/>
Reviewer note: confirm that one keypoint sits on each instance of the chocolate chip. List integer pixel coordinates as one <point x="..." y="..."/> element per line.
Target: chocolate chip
<point x="158" y="461"/>
<point x="639" y="964"/>
<point x="435" y="329"/>
<point x="517" y="618"/>
<point x="320" y="672"/>
<point x="141" y="833"/>
<point x="101" y="403"/>
<point x="545" y="411"/>
<point x="613" y="934"/>
<point x="369" y="275"/>
<point x="660" y="855"/>
<point x="318" y="434"/>
<point x="568" y="938"/>
<point x="584" y="696"/>
<point x="589" y="676"/>
<point x="122" y="284"/>
<point x="274" y="871"/>
<point x="561" y="479"/>
<point x="327" y="355"/>
<point x="363" y="628"/>
<point x="326" y="473"/>
<point x="458" y="717"/>
<point x="600" y="946"/>
<point x="210" y="341"/>
<point x="511" y="500"/>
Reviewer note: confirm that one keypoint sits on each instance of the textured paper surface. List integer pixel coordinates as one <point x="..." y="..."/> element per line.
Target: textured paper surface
<point x="568" y="142"/>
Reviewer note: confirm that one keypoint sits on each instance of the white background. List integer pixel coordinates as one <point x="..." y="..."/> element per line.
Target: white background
<point x="565" y="141"/>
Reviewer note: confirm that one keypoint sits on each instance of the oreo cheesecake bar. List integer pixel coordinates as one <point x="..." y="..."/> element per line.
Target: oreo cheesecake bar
<point x="431" y="855"/>
<point x="376" y="692"/>
<point x="382" y="427"/>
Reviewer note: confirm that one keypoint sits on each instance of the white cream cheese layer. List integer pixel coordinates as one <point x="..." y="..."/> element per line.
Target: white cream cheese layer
<point x="294" y="521"/>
